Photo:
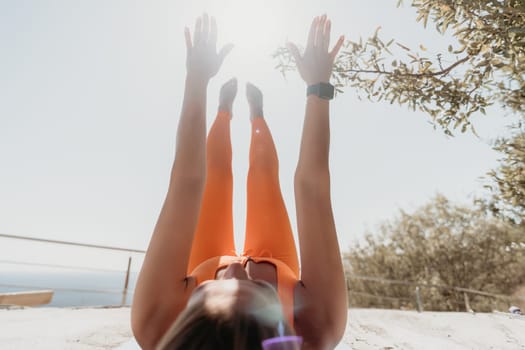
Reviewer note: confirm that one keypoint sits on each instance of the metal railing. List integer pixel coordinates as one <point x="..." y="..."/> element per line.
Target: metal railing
<point x="417" y="292"/>
<point x="124" y="290"/>
<point x="34" y="239"/>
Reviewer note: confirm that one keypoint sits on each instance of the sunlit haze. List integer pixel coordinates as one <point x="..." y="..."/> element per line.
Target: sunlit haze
<point x="252" y="26"/>
<point x="90" y="96"/>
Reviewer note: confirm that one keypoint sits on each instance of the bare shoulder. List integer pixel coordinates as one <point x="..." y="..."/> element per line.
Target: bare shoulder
<point x="152" y="316"/>
<point x="312" y="322"/>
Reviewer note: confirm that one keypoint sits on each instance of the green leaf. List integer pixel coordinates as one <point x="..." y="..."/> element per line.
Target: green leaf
<point x="376" y="32"/>
<point x="403" y="47"/>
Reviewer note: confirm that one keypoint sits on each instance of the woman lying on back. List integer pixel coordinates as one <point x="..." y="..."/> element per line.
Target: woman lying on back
<point x="194" y="291"/>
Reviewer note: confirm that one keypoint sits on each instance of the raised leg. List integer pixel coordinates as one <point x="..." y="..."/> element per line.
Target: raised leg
<point x="268" y="229"/>
<point x="214" y="234"/>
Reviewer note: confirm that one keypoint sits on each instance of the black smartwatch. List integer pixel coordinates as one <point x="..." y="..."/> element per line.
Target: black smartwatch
<point x="322" y="90"/>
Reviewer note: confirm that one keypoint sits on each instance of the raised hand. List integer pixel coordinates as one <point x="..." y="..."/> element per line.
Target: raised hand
<point x="322" y="318"/>
<point x="202" y="59"/>
<point x="315" y="65"/>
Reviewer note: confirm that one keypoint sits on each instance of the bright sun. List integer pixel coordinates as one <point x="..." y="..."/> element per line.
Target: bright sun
<point x="253" y="26"/>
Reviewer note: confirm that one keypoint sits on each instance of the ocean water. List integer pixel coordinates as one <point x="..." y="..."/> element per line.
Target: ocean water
<point x="72" y="288"/>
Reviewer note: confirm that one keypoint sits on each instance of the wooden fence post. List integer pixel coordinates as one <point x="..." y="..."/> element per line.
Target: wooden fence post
<point x="126" y="283"/>
<point x="418" y="301"/>
<point x="467" y="303"/>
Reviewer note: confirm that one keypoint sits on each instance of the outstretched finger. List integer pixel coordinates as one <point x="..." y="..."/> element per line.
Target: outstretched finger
<point x="224" y="52"/>
<point x="205" y="27"/>
<point x="311" y="35"/>
<point x="187" y="36"/>
<point x="319" y="36"/>
<point x="337" y="47"/>
<point x="213" y="32"/>
<point x="326" y="35"/>
<point x="198" y="32"/>
<point x="294" y="51"/>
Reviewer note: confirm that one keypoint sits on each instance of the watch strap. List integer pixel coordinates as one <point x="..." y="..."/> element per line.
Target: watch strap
<point x="321" y="90"/>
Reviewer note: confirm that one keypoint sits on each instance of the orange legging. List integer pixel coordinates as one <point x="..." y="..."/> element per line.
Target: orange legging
<point x="268" y="229"/>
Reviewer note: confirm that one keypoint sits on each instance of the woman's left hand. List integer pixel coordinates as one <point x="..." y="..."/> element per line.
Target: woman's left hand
<point x="202" y="59"/>
<point x="316" y="64"/>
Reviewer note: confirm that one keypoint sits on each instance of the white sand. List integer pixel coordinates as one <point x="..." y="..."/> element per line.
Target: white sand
<point x="393" y="329"/>
<point x="91" y="328"/>
<point x="64" y="328"/>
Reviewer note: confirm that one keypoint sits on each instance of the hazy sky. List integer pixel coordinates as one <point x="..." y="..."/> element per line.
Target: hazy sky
<point x="90" y="95"/>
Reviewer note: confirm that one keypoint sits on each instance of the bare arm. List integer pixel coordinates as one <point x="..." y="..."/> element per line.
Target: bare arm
<point x="323" y="300"/>
<point x="162" y="288"/>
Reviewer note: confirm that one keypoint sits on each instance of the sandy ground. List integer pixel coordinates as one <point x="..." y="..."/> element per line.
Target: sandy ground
<point x="108" y="328"/>
<point x="393" y="329"/>
<point x="64" y="328"/>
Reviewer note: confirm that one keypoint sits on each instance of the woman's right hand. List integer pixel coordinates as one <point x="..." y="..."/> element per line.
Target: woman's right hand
<point x="202" y="59"/>
<point x="315" y="65"/>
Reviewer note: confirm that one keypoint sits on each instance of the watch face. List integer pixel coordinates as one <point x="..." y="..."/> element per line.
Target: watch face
<point x="322" y="90"/>
<point x="326" y="91"/>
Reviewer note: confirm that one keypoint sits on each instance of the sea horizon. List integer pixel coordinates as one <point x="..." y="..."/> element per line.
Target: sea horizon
<point x="71" y="288"/>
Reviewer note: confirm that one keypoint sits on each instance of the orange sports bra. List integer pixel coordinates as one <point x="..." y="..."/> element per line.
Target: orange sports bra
<point x="286" y="278"/>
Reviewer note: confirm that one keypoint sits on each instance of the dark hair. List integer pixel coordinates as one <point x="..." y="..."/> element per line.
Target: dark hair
<point x="197" y="328"/>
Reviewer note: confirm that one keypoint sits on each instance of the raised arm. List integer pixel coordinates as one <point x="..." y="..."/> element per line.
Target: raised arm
<point x="162" y="288"/>
<point x="323" y="300"/>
